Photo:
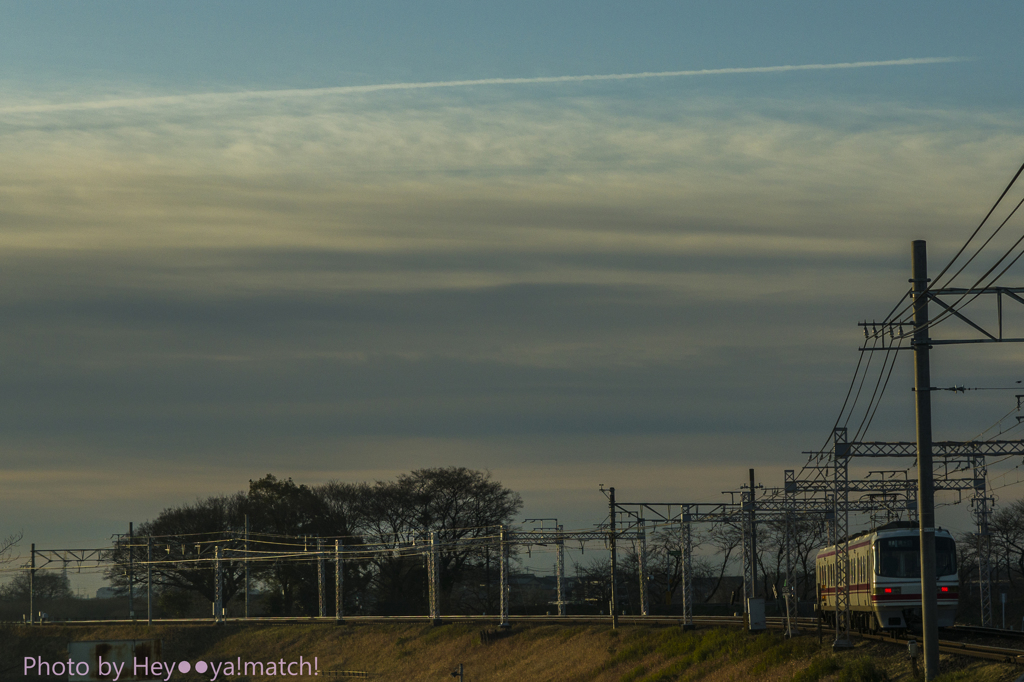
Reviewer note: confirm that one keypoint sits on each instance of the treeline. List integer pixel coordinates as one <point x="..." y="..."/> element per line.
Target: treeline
<point x="381" y="525"/>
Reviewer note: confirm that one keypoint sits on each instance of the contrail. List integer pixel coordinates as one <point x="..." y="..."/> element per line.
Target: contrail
<point x="355" y="89"/>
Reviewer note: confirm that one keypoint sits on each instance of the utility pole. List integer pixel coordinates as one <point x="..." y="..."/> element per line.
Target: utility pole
<point x="339" y="577"/>
<point x="246" y="565"/>
<point x="753" y="541"/>
<point x="611" y="546"/>
<point x="925" y="493"/>
<point x="560" y="569"/>
<point x="433" y="580"/>
<point x="321" y="579"/>
<point x="218" y="587"/>
<point x="642" y="566"/>
<point x="32" y="587"/>
<point x="685" y="555"/>
<point x="505" y="593"/>
<point x="131" y="571"/>
<point x="149" y="580"/>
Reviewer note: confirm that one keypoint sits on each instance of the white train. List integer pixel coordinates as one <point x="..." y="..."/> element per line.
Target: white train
<point x="885" y="578"/>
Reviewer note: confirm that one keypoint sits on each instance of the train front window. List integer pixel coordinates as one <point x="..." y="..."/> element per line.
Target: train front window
<point x="901" y="557"/>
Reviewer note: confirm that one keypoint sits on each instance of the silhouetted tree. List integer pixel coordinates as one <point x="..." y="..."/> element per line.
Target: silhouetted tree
<point x="48" y="586"/>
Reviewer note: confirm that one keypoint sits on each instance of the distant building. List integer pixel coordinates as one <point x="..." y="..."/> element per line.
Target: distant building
<point x="105" y="593"/>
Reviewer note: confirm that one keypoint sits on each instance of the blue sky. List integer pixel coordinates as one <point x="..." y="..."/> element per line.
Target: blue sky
<point x="226" y="253"/>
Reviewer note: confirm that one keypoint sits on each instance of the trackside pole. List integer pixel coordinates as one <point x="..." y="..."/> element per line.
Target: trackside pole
<point x="504" y="578"/>
<point x="246" y="565"/>
<point x="339" y="577"/>
<point x="149" y="580"/>
<point x="32" y="587"/>
<point x="925" y="491"/>
<point x="611" y="547"/>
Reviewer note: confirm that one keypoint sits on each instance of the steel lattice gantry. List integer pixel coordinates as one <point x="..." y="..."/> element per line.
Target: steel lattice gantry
<point x="558" y="537"/>
<point x="950" y="458"/>
<point x="816" y="498"/>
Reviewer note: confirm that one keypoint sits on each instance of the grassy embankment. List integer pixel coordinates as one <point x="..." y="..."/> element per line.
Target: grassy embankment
<point x="548" y="652"/>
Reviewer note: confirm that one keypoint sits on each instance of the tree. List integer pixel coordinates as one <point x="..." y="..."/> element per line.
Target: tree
<point x="286" y="520"/>
<point x="725" y="538"/>
<point x="184" y="540"/>
<point x="46" y="585"/>
<point x="283" y="508"/>
<point x="463" y="507"/>
<point x="1007" y="529"/>
<point x="806" y="537"/>
<point x="7" y="546"/>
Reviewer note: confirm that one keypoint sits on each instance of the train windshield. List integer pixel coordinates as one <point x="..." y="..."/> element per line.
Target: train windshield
<point x="901" y="557"/>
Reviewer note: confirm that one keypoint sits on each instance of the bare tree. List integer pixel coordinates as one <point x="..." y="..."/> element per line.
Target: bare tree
<point x="1007" y="528"/>
<point x="7" y="546"/>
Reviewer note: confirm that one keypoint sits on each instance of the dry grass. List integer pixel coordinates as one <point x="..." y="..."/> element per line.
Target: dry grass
<point x="548" y="652"/>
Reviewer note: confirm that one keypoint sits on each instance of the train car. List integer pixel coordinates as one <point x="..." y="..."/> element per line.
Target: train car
<point x="884" y="575"/>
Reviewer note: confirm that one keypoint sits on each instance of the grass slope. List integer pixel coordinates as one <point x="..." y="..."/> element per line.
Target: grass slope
<point x="545" y="652"/>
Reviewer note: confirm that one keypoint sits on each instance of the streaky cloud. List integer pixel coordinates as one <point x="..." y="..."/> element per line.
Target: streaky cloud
<point x="382" y="87"/>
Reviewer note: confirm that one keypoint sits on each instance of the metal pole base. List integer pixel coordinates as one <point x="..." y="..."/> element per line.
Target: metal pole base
<point x="842" y="645"/>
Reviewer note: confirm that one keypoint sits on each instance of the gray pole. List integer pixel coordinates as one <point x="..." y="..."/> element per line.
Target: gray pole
<point x="131" y="571"/>
<point x="753" y="541"/>
<point x="216" y="584"/>
<point x="611" y="546"/>
<point x="560" y="563"/>
<point x="434" y="580"/>
<point x="505" y="592"/>
<point x="339" y="576"/>
<point x="685" y="572"/>
<point x="149" y="580"/>
<point x="642" y="567"/>
<point x="246" y="565"/>
<point x="32" y="587"/>
<point x="321" y="579"/>
<point x="925" y="499"/>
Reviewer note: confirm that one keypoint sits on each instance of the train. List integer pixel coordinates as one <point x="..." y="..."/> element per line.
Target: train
<point x="885" y="578"/>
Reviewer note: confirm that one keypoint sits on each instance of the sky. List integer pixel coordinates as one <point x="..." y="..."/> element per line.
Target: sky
<point x="572" y="243"/>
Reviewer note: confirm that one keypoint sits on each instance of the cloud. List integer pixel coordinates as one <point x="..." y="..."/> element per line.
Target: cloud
<point x="361" y="282"/>
<point x="175" y="100"/>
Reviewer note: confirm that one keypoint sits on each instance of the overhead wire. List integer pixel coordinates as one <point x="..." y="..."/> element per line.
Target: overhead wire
<point x="958" y="305"/>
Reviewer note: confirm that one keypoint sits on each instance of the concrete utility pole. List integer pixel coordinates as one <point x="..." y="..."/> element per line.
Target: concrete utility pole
<point x="149" y="580"/>
<point x="611" y="546"/>
<point x="560" y="570"/>
<point x="753" y="541"/>
<point x="246" y="565"/>
<point x="131" y="571"/>
<point x="339" y="577"/>
<point x="321" y="579"/>
<point x="32" y="587"/>
<point x="505" y="592"/>
<point x="925" y="493"/>
<point x="218" y="587"/>
<point x="433" y="580"/>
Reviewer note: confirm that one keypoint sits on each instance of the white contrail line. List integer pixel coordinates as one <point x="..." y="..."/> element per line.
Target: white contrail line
<point x="355" y="89"/>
